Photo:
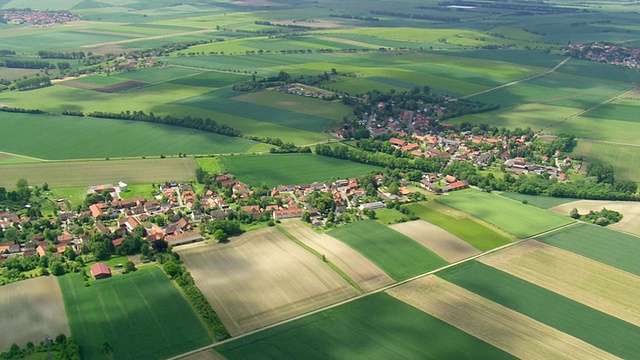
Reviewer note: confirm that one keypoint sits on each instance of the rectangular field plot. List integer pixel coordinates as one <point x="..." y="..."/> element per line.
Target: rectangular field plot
<point x="376" y="327"/>
<point x="499" y="326"/>
<point x="85" y="173"/>
<point x="286" y="169"/>
<point x="459" y="224"/>
<point x="621" y="132"/>
<point x="396" y="254"/>
<point x="360" y="269"/>
<point x="622" y="158"/>
<point x="301" y="104"/>
<point x="50" y="137"/>
<point x="211" y="79"/>
<point x="602" y="287"/>
<point x="29" y="310"/>
<point x="622" y="110"/>
<point x="606" y="246"/>
<point x="544" y="202"/>
<point x="158" y="74"/>
<point x="261" y="278"/>
<point x="441" y="242"/>
<point x="599" y="329"/>
<point x="519" y="219"/>
<point x="142" y="315"/>
<point x="536" y="116"/>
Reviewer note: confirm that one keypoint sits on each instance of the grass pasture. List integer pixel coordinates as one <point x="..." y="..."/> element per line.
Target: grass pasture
<point x="589" y="282"/>
<point x="49" y="137"/>
<point x="29" y="310"/>
<point x="375" y="327"/>
<point x="499" y="326"/>
<point x="601" y="330"/>
<point x="141" y="310"/>
<point x="606" y="246"/>
<point x="85" y="173"/>
<point x="460" y="224"/>
<point x="286" y="169"/>
<point x="396" y="254"/>
<point x="262" y="277"/>
<point x="505" y="213"/>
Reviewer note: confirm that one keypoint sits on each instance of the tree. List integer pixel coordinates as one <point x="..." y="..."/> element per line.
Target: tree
<point x="129" y="266"/>
<point x="56" y="268"/>
<point x="220" y="235"/>
<point x="306" y="216"/>
<point x="574" y="213"/>
<point x="106" y="348"/>
<point x="171" y="269"/>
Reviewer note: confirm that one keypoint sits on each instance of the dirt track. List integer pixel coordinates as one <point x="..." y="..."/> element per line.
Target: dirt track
<point x="444" y="244"/>
<point x="602" y="287"/>
<point x="29" y="310"/>
<point x="262" y="277"/>
<point x="360" y="269"/>
<point x="495" y="324"/>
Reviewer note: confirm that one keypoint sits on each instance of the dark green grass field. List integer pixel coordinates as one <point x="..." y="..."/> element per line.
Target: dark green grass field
<point x="158" y="74"/>
<point x="544" y="202"/>
<point x="66" y="137"/>
<point x="611" y="334"/>
<point x="607" y="246"/>
<point x="476" y="234"/>
<point x="519" y="219"/>
<point x="141" y="315"/>
<point x="375" y="327"/>
<point x="286" y="169"/>
<point x="396" y="254"/>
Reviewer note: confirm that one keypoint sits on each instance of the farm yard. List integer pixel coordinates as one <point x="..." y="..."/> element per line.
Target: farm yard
<point x="85" y="173"/>
<point x="285" y="169"/>
<point x="441" y="242"/>
<point x="396" y="254"/>
<point x="357" y="267"/>
<point x="31" y="309"/>
<point x="505" y="213"/>
<point x="141" y="310"/>
<point x="262" y="277"/>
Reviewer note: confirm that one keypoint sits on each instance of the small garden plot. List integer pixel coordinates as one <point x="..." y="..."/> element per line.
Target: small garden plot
<point x="261" y="278"/>
<point x="444" y="244"/>
<point x="602" y="287"/>
<point x="396" y="254"/>
<point x="495" y="324"/>
<point x="31" y="309"/>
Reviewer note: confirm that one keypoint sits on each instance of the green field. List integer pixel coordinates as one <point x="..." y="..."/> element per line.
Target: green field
<point x="300" y="104"/>
<point x="535" y="116"/>
<point x="390" y="216"/>
<point x="616" y="131"/>
<point x="518" y="219"/>
<point x="66" y="137"/>
<point x="211" y="164"/>
<point x="544" y="202"/>
<point x="622" y="158"/>
<point x="211" y="79"/>
<point x="607" y="246"/>
<point x="288" y="169"/>
<point x="479" y="236"/>
<point x="158" y="74"/>
<point x="375" y="327"/>
<point x="141" y="315"/>
<point x="397" y="255"/>
<point x="622" y="110"/>
<point x="611" y="334"/>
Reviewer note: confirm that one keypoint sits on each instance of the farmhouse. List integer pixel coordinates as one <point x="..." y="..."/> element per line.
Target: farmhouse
<point x="186" y="238"/>
<point x="100" y="270"/>
<point x="458" y="185"/>
<point x="287" y="213"/>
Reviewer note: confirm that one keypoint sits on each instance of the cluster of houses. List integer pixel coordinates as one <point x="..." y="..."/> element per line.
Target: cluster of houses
<point x="38" y="18"/>
<point x="607" y="53"/>
<point x="302" y="90"/>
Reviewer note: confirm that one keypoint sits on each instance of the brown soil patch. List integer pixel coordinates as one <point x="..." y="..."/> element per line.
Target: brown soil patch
<point x="495" y="324"/>
<point x="29" y="310"/>
<point x="262" y="277"/>
<point x="589" y="282"/>
<point x="360" y="269"/>
<point x="441" y="242"/>
<point x="121" y="86"/>
<point x="630" y="210"/>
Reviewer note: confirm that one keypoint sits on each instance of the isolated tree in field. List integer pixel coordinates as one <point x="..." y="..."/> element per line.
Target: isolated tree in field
<point x="574" y="213"/>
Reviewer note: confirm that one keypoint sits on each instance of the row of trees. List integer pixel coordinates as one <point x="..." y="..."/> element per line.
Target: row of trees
<point x="21" y="110"/>
<point x="62" y="348"/>
<point x="47" y="54"/>
<point x="35" y="82"/>
<point x="378" y="158"/>
<point x="27" y="64"/>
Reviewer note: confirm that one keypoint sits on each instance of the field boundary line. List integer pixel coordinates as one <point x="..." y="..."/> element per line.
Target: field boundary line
<point x="358" y="297"/>
<point x="23" y="156"/>
<point x="552" y="70"/>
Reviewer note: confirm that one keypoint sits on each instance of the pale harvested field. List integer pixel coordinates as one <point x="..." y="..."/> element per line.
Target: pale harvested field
<point x="630" y="209"/>
<point x="84" y="173"/>
<point x="441" y="242"/>
<point x="29" y="310"/>
<point x="205" y="355"/>
<point x="360" y="269"/>
<point x="262" y="277"/>
<point x="589" y="282"/>
<point x="495" y="324"/>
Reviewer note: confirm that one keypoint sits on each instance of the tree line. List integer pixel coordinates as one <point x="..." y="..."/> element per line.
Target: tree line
<point x="43" y="54"/>
<point x="378" y="158"/>
<point x="27" y="64"/>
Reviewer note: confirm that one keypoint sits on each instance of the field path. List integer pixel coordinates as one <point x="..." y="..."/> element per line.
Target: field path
<point x="519" y="81"/>
<point x="444" y="244"/>
<point x="602" y="287"/>
<point x="360" y="269"/>
<point x="495" y="324"/>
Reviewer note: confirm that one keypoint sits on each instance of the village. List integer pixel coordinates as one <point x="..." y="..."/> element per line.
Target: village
<point x="607" y="53"/>
<point x="37" y="18"/>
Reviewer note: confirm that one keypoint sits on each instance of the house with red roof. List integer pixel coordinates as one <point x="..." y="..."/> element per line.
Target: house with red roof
<point x="100" y="271"/>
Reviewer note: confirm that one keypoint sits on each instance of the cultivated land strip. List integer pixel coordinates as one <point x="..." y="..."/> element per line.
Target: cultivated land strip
<point x="444" y="244"/>
<point x="602" y="287"/>
<point x="155" y="37"/>
<point x="360" y="269"/>
<point x="495" y="324"/>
